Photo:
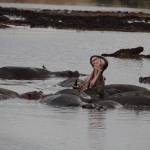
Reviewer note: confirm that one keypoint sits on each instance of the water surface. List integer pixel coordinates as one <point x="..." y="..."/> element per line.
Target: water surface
<point x="31" y="125"/>
<point x="108" y="3"/>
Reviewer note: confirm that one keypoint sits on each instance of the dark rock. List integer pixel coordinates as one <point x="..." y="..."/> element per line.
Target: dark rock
<point x="127" y="53"/>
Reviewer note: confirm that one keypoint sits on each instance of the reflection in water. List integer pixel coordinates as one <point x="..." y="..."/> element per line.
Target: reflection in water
<point x="96" y="129"/>
<point x="116" y="129"/>
<point x="96" y="120"/>
<point x="122" y="3"/>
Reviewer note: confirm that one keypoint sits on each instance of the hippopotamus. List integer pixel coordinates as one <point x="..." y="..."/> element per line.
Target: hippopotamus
<point x="108" y="90"/>
<point x="76" y="97"/>
<point x="80" y="93"/>
<point x="62" y="100"/>
<point x="34" y="95"/>
<point x="129" y="95"/>
<point x="125" y="87"/>
<point x="103" y="105"/>
<point x="28" y="73"/>
<point x="96" y="92"/>
<point x="67" y="73"/>
<point x="144" y="79"/>
<point x="67" y="100"/>
<point x="86" y="96"/>
<point x="23" y="73"/>
<point x="120" y="93"/>
<point x="132" y="98"/>
<point x="103" y="91"/>
<point x="93" y="106"/>
<point x="5" y="94"/>
<point x="111" y="91"/>
<point x="70" y="82"/>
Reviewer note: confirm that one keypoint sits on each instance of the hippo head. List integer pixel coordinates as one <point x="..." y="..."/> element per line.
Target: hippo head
<point x="73" y="74"/>
<point x="88" y="106"/>
<point x="94" y="106"/>
<point x="105" y="60"/>
<point x="34" y="95"/>
<point x="142" y="80"/>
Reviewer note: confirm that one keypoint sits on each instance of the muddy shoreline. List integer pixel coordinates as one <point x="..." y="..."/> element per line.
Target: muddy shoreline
<point x="77" y="20"/>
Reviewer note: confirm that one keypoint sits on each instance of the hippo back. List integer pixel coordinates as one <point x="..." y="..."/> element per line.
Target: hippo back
<point x="62" y="100"/>
<point x="23" y="73"/>
<point x="5" y="94"/>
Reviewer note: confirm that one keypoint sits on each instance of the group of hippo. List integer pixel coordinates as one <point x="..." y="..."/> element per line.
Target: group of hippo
<point x="99" y="98"/>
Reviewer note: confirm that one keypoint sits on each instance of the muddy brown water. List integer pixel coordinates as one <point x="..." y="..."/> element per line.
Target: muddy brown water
<point x="31" y="125"/>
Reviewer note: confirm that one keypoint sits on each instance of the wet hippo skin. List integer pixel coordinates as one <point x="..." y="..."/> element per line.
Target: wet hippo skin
<point x="29" y="73"/>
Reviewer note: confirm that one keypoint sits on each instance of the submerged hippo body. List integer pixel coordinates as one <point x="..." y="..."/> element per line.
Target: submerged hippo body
<point x="108" y="90"/>
<point x="28" y="73"/>
<point x="5" y="94"/>
<point x="95" y="93"/>
<point x="110" y="104"/>
<point x="33" y="95"/>
<point x="129" y="95"/>
<point x="62" y="100"/>
<point x="111" y="91"/>
<point x="67" y="73"/>
<point x="23" y="73"/>
<point x="103" y="105"/>
<point x="78" y="92"/>
<point x="69" y="82"/>
<point x="125" y="87"/>
<point x="133" y="98"/>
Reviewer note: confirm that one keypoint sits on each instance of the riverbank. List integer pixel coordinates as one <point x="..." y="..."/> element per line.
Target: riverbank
<point x="77" y="20"/>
